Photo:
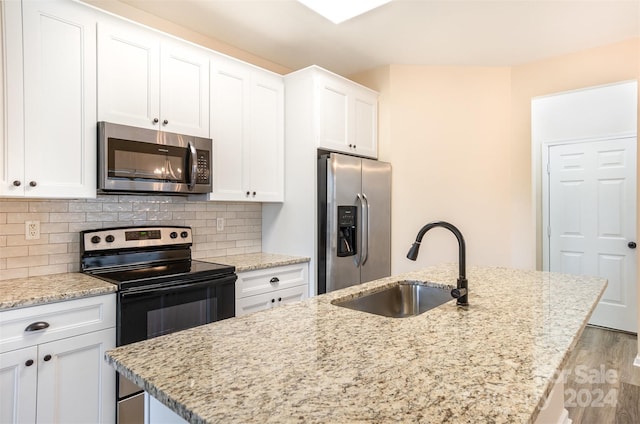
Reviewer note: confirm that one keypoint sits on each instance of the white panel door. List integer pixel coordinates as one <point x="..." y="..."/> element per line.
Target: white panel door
<point x="229" y="108"/>
<point x="59" y="99"/>
<point x="592" y="219"/>
<point x="128" y="75"/>
<point x="75" y="384"/>
<point x="266" y="148"/>
<point x="18" y="382"/>
<point x="184" y="93"/>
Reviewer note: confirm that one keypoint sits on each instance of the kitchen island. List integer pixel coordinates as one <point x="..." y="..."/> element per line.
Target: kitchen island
<point x="494" y="361"/>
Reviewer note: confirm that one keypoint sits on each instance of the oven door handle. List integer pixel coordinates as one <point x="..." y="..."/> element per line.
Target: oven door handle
<point x="163" y="289"/>
<point x="194" y="166"/>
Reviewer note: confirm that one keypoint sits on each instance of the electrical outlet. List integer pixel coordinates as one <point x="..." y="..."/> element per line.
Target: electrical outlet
<point x="220" y="224"/>
<point x="32" y="230"/>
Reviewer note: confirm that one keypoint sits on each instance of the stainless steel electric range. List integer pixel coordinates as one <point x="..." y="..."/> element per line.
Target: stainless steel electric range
<point x="160" y="289"/>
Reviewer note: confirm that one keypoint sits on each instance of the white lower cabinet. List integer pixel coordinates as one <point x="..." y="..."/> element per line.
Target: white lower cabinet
<point x="271" y="287"/>
<point x="58" y="380"/>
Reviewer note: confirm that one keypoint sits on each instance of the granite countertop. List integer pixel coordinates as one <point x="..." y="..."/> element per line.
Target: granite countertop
<point x="254" y="261"/>
<point x="31" y="291"/>
<point x="312" y="361"/>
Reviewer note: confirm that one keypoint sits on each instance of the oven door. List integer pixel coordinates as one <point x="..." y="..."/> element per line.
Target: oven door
<point x="148" y="313"/>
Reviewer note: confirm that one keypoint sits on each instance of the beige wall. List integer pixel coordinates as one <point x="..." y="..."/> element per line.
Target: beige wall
<point x="446" y="131"/>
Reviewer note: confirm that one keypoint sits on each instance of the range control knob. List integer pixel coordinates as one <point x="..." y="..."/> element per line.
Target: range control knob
<point x="109" y="238"/>
<point x="173" y="234"/>
<point x="95" y="239"/>
<point x="184" y="234"/>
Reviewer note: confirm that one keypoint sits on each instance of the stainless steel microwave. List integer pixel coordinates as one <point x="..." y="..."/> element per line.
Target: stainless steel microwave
<point x="134" y="159"/>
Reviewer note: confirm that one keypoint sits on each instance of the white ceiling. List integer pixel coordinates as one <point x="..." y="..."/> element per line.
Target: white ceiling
<point x="421" y="32"/>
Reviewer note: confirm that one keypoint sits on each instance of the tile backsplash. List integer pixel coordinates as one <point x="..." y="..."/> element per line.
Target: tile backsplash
<point x="58" y="248"/>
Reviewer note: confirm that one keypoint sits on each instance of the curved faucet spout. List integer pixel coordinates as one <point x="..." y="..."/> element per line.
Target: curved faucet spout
<point x="462" y="280"/>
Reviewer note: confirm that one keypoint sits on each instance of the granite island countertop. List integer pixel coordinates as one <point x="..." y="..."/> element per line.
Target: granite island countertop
<point x="312" y="361"/>
<point x="32" y="291"/>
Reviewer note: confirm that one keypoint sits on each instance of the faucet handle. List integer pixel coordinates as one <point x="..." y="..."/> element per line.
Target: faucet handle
<point x="458" y="293"/>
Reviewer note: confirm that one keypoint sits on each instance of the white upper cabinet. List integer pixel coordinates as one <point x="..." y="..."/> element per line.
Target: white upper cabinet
<point x="247" y="128"/>
<point x="151" y="81"/>
<point x="50" y="100"/>
<point x="347" y="115"/>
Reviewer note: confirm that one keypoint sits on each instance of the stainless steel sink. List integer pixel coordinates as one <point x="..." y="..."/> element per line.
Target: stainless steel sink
<point x="405" y="299"/>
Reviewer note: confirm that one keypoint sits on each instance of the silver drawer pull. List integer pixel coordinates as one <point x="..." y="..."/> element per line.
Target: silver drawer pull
<point x="37" y="326"/>
<point x="274" y="280"/>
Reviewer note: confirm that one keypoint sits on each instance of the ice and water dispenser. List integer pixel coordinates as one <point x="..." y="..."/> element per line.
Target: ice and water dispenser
<point x="347" y="233"/>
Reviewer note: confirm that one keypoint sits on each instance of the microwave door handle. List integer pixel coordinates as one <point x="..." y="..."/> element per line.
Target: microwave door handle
<point x="194" y="166"/>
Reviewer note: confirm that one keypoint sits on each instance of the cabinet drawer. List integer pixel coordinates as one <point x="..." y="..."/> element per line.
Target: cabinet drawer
<point x="267" y="280"/>
<point x="64" y="319"/>
<point x="261" y="302"/>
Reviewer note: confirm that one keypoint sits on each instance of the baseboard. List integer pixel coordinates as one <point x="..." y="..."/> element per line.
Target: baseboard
<point x="637" y="361"/>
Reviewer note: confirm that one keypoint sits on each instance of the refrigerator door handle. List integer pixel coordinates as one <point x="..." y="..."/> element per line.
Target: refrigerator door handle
<point x="365" y="243"/>
<point x="360" y="229"/>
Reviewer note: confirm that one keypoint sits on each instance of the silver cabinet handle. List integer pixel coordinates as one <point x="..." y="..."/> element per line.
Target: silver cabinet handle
<point x="37" y="326"/>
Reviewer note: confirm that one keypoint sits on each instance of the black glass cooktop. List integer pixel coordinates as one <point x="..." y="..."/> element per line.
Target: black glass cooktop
<point x="164" y="274"/>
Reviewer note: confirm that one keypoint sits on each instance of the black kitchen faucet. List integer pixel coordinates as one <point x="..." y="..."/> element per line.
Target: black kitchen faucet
<point x="461" y="292"/>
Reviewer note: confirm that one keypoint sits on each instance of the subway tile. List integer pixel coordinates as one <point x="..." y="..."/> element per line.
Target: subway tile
<point x="205" y="230"/>
<point x="3" y="241"/>
<point x="145" y="207"/>
<point x="67" y="217"/>
<point x="102" y="198"/>
<point x="216" y="237"/>
<point x="49" y="206"/>
<point x="132" y="216"/>
<point x="215" y="207"/>
<point x="63" y="258"/>
<point x="159" y="216"/>
<point x="85" y="207"/>
<point x="3" y="263"/>
<point x="20" y="240"/>
<point x="12" y="229"/>
<point x="235" y="222"/>
<point x="27" y="261"/>
<point x="195" y="207"/>
<point x="48" y="249"/>
<point x="21" y="217"/>
<point x="11" y="206"/>
<point x="236" y="207"/>
<point x="225" y="244"/>
<point x="171" y="207"/>
<point x="236" y="251"/>
<point x="64" y="238"/>
<point x="73" y="248"/>
<point x="13" y="251"/>
<point x="3" y="218"/>
<point x="8" y="274"/>
<point x="73" y="267"/>
<point x="206" y="215"/>
<point x="102" y="216"/>
<point x="76" y="227"/>
<point x="184" y="215"/>
<point x="199" y="239"/>
<point x="117" y="207"/>
<point x="56" y="227"/>
<point x="47" y="269"/>
<point x="253" y="249"/>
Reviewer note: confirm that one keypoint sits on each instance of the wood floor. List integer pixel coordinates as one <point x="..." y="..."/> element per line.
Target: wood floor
<point x="602" y="385"/>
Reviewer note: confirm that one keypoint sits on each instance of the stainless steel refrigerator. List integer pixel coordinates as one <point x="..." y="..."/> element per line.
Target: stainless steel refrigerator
<point x="354" y="221"/>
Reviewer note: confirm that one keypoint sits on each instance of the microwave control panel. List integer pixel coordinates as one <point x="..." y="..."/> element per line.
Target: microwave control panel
<point x="204" y="171"/>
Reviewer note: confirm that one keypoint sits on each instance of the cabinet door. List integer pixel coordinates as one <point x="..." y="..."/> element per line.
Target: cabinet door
<point x="229" y="102"/>
<point x="365" y="127"/>
<point x="128" y="75"/>
<point x="184" y="93"/>
<point x="333" y="114"/>
<point x="261" y="302"/>
<point x="18" y="385"/>
<point x="75" y="384"/>
<point x="265" y="155"/>
<point x="290" y="295"/>
<point x="59" y="99"/>
<point x="12" y="146"/>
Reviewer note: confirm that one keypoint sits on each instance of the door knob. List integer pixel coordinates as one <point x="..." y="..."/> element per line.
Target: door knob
<point x="632" y="245"/>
